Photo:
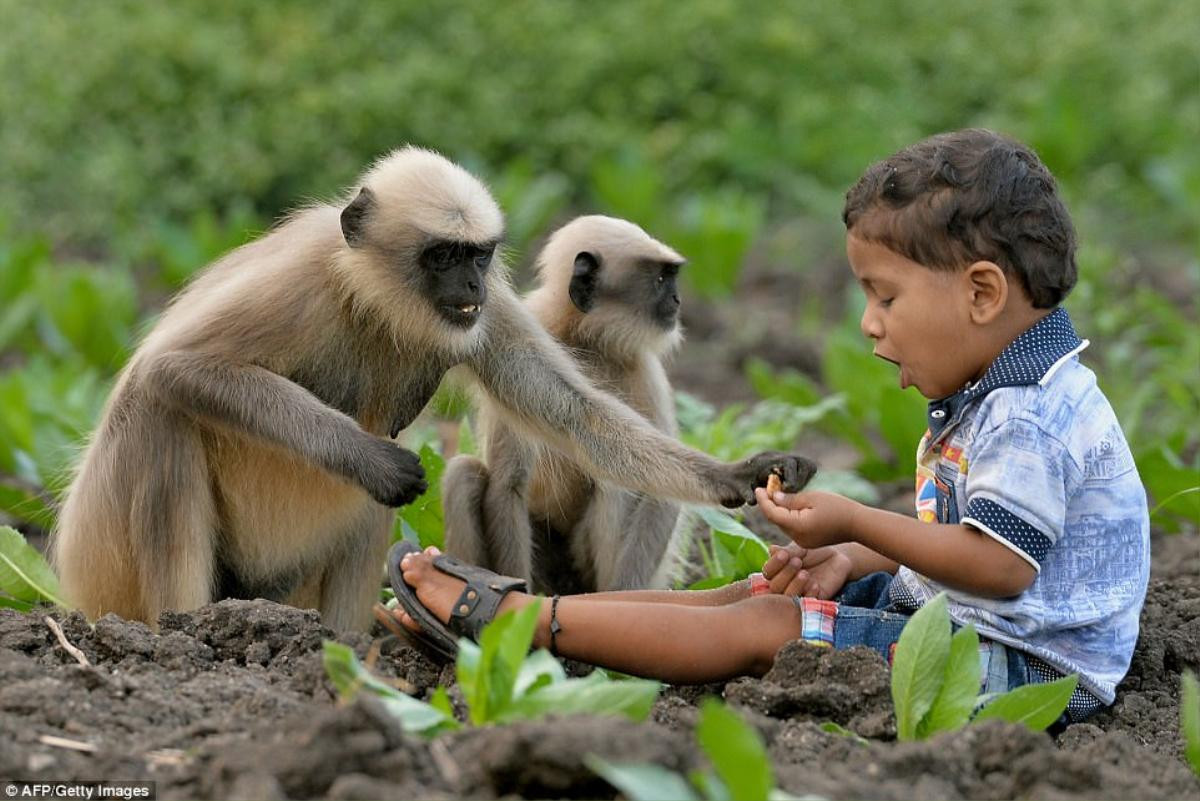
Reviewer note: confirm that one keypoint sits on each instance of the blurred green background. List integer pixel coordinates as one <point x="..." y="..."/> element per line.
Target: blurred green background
<point x="140" y="140"/>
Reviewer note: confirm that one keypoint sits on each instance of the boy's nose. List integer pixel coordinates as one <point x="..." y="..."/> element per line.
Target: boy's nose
<point x="869" y="325"/>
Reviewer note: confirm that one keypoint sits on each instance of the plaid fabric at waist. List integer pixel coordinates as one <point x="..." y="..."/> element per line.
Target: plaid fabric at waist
<point x="817" y="619"/>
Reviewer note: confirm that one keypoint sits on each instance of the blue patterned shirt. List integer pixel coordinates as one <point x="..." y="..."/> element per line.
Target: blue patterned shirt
<point x="1033" y="456"/>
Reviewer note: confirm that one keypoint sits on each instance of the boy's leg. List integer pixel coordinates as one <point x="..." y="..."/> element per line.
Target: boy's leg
<point x="681" y="644"/>
<point x="719" y="596"/>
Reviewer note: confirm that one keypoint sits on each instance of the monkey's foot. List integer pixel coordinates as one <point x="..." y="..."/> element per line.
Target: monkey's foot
<point x="439" y="593"/>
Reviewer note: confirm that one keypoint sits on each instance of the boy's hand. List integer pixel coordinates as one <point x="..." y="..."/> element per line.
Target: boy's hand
<point x="811" y="519"/>
<point x="784" y="569"/>
<point x="816" y="573"/>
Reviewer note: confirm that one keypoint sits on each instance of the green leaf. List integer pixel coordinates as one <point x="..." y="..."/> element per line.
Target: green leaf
<point x="595" y="694"/>
<point x="710" y="583"/>
<point x="738" y="550"/>
<point x="468" y="668"/>
<point x="89" y="311"/>
<point x="25" y="505"/>
<point x="24" y="573"/>
<point x="1189" y="718"/>
<point x="440" y="700"/>
<point x="919" y="665"/>
<point x="847" y="483"/>
<point x="1036" y="705"/>
<point x="13" y="603"/>
<point x="424" y="515"/>
<point x="954" y="703"/>
<point x="488" y="674"/>
<point x="710" y="786"/>
<point x="641" y="781"/>
<point x="736" y="751"/>
<point x="836" y="728"/>
<point x="538" y="669"/>
<point x="15" y="317"/>
<point x="787" y="385"/>
<point x="350" y="677"/>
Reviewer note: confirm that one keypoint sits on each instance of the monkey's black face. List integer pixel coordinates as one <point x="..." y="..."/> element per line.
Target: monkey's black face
<point x="650" y="289"/>
<point x="663" y="294"/>
<point x="454" y="279"/>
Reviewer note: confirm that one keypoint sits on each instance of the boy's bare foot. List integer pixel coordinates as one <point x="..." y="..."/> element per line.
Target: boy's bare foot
<point x="438" y="591"/>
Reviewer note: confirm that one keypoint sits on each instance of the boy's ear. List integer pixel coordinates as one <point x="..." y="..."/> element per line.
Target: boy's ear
<point x="988" y="286"/>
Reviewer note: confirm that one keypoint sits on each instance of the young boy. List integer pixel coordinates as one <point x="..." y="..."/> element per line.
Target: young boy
<point x="1031" y="515"/>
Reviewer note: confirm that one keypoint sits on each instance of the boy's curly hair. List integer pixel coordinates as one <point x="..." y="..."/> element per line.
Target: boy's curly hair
<point x="966" y="196"/>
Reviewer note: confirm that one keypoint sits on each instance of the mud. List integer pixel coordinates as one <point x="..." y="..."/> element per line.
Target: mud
<point x="231" y="701"/>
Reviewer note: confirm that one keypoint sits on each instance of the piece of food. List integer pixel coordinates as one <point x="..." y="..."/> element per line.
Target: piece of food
<point x="774" y="485"/>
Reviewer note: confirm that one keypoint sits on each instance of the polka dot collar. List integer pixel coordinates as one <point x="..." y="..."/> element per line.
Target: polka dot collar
<point x="1031" y="358"/>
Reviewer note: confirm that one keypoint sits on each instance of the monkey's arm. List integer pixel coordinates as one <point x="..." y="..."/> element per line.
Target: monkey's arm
<point x="540" y="390"/>
<point x="254" y="401"/>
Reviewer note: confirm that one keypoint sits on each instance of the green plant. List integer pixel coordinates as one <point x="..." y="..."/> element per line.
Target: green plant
<point x="741" y="767"/>
<point x="732" y="551"/>
<point x="713" y="229"/>
<point x="421" y="521"/>
<point x="1189" y="718"/>
<point x="737" y="430"/>
<point x="25" y="578"/>
<point x="45" y="411"/>
<point x="870" y="411"/>
<point x="936" y="679"/>
<point x="1114" y="123"/>
<point x="349" y="677"/>
<point x="180" y="249"/>
<point x="502" y="681"/>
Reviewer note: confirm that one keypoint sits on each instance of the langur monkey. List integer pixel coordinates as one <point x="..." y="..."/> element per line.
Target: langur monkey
<point x="607" y="291"/>
<point x="246" y="449"/>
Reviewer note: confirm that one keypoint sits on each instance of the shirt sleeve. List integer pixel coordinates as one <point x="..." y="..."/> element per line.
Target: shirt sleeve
<point x="1017" y="488"/>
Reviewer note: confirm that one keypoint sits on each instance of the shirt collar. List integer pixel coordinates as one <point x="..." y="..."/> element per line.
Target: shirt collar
<point x="1031" y="358"/>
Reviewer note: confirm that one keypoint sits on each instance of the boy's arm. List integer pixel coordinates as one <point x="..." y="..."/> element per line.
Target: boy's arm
<point x="955" y="555"/>
<point x="865" y="561"/>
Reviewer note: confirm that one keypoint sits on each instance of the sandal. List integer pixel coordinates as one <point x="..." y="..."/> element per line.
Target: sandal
<point x="475" y="608"/>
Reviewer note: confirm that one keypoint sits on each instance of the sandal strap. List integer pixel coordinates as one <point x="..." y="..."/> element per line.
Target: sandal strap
<point x="479" y="601"/>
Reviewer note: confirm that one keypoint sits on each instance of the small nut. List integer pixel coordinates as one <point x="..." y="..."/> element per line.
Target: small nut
<point x="774" y="485"/>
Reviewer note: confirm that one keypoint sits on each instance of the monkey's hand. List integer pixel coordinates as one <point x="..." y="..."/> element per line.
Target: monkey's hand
<point x="793" y="470"/>
<point x="398" y="477"/>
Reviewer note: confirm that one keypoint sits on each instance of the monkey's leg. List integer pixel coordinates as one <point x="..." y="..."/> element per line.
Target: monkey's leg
<point x="137" y="533"/>
<point x="464" y="483"/>
<point x="596" y="537"/>
<point x="353" y="576"/>
<point x="256" y="401"/>
<point x="637" y="545"/>
<point x="507" y="533"/>
<point x="487" y="520"/>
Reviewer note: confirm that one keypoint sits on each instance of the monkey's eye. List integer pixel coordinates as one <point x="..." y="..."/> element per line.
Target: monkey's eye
<point x="484" y="257"/>
<point x="443" y="255"/>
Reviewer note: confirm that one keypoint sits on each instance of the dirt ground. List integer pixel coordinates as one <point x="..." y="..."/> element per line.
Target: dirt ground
<point x="231" y="702"/>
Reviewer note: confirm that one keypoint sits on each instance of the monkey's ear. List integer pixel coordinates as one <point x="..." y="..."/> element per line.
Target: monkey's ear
<point x="583" y="281"/>
<point x="354" y="216"/>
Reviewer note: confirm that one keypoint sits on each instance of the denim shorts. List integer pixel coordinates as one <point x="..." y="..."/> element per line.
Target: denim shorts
<point x="866" y="614"/>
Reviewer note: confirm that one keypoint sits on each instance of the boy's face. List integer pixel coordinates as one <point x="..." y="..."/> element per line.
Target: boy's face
<point x="918" y="318"/>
